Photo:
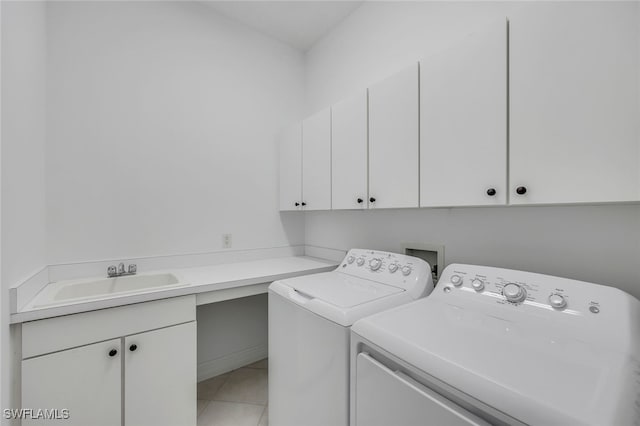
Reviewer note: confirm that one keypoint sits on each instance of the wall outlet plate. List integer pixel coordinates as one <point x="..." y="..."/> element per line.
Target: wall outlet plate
<point x="226" y="240"/>
<point x="431" y="253"/>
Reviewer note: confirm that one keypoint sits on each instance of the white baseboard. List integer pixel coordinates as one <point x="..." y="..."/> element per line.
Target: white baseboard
<point x="215" y="367"/>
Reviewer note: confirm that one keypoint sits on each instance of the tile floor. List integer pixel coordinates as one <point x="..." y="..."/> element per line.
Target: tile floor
<point x="237" y="398"/>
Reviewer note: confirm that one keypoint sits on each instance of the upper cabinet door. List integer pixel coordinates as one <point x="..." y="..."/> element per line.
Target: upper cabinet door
<point x="574" y="103"/>
<point x="316" y="161"/>
<point x="349" y="153"/>
<point x="463" y="122"/>
<point x="291" y="168"/>
<point x="393" y="141"/>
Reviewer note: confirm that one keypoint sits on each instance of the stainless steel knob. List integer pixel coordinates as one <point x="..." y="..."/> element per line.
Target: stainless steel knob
<point x="375" y="264"/>
<point x="514" y="292"/>
<point x="477" y="284"/>
<point x="456" y="280"/>
<point x="557" y="301"/>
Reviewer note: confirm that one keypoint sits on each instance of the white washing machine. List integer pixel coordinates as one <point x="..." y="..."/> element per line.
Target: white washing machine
<point x="501" y="347"/>
<point x="309" y="331"/>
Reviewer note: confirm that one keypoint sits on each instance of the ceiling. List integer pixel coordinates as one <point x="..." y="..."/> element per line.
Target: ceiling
<point x="297" y="23"/>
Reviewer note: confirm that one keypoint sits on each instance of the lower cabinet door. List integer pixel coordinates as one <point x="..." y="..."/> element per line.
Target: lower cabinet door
<point x="86" y="381"/>
<point x="160" y="377"/>
<point x="384" y="397"/>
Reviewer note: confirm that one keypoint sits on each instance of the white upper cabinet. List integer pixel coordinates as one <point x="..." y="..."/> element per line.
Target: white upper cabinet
<point x="349" y="153"/>
<point x="393" y="141"/>
<point x="316" y="161"/>
<point x="291" y="168"/>
<point x="463" y="122"/>
<point x="574" y="103"/>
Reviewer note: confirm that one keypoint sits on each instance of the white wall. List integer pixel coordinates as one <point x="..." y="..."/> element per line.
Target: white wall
<point x="382" y="37"/>
<point x="162" y="124"/>
<point x="593" y="243"/>
<point x="231" y="334"/>
<point x="22" y="157"/>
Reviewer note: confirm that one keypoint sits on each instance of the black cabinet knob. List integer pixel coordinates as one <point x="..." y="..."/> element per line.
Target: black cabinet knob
<point x="113" y="352"/>
<point x="304" y="204"/>
<point x="297" y="204"/>
<point x="133" y="347"/>
<point x="491" y="192"/>
<point x="372" y="200"/>
<point x="521" y="190"/>
<point x="360" y="200"/>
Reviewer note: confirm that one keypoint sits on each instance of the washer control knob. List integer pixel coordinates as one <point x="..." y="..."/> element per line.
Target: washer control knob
<point x="456" y="280"/>
<point x="406" y="270"/>
<point x="557" y="301"/>
<point x="360" y="261"/>
<point x="393" y="267"/>
<point x="375" y="264"/>
<point x="477" y="284"/>
<point x="514" y="292"/>
<point x="350" y="259"/>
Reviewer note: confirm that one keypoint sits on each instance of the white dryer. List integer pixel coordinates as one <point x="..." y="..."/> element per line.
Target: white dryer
<point x="309" y="331"/>
<point x="501" y="347"/>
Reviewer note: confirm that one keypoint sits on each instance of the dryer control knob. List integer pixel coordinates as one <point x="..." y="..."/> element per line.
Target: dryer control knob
<point x="393" y="267"/>
<point x="360" y="261"/>
<point x="375" y="264"/>
<point x="456" y="280"/>
<point x="350" y="259"/>
<point x="477" y="284"/>
<point x="406" y="270"/>
<point x="514" y="292"/>
<point x="557" y="301"/>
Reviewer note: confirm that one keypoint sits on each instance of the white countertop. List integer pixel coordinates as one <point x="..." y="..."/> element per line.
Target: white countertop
<point x="199" y="280"/>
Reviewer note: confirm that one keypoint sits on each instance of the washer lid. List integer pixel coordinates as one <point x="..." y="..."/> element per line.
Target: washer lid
<point x="341" y="290"/>
<point x="530" y="371"/>
<point x="339" y="297"/>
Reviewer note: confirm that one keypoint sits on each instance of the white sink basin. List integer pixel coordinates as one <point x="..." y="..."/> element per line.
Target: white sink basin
<point x="89" y="289"/>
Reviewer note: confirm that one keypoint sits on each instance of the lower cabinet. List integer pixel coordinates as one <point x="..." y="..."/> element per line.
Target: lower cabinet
<point x="135" y="378"/>
<point x="86" y="381"/>
<point x="159" y="372"/>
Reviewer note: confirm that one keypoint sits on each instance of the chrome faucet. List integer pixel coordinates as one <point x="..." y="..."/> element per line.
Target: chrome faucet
<point x="112" y="271"/>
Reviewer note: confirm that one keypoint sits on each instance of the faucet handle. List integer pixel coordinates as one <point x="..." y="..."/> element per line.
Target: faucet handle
<point x="111" y="271"/>
<point x="133" y="268"/>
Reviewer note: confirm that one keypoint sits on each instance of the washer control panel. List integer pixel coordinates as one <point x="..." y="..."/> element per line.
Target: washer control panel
<point x="394" y="269"/>
<point x="541" y="311"/>
<point x="518" y="289"/>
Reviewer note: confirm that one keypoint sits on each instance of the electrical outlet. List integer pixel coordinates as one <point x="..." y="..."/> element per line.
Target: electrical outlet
<point x="226" y="240"/>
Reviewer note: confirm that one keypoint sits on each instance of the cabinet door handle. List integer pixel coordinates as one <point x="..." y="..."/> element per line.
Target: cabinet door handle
<point x="372" y="200"/>
<point x="359" y="200"/>
<point x="521" y="190"/>
<point x="304" y="204"/>
<point x="297" y="204"/>
<point x="133" y="347"/>
<point x="491" y="192"/>
<point x="113" y="352"/>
